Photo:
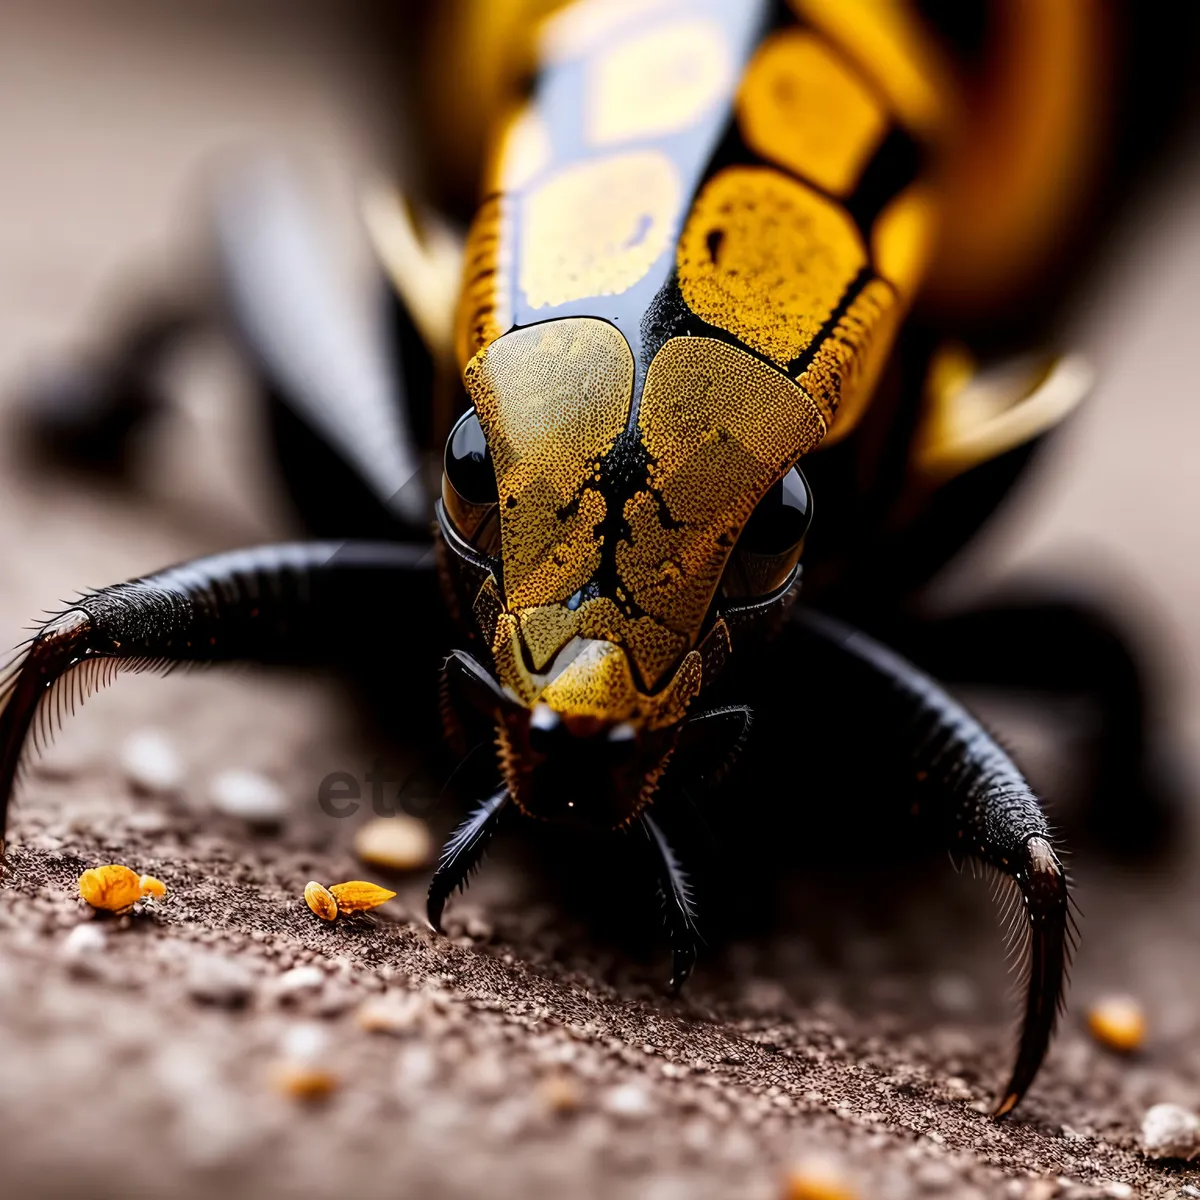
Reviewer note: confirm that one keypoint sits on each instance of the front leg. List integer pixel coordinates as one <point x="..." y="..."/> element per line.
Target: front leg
<point x="955" y="775"/>
<point x="1053" y="643"/>
<point x="286" y="604"/>
<point x="678" y="909"/>
<point x="463" y="853"/>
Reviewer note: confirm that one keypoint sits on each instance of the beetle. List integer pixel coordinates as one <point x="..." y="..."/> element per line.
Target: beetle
<point x="678" y="343"/>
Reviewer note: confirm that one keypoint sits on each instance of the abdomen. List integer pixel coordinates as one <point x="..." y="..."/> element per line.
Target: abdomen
<point x="748" y="173"/>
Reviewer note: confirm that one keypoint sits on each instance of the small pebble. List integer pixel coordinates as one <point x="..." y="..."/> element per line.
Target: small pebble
<point x="249" y="796"/>
<point x="151" y="763"/>
<point x="1169" y="1131"/>
<point x="305" y="1043"/>
<point x="148" y="820"/>
<point x="215" y="979"/>
<point x="399" y="843"/>
<point x="416" y="1068"/>
<point x="483" y="1075"/>
<point x="627" y="1101"/>
<point x="1118" y="1022"/>
<point x="559" y="1095"/>
<point x="303" y="1082"/>
<point x="1041" y="1189"/>
<point x="818" y="1179"/>
<point x="389" y="1014"/>
<point x="299" y="981"/>
<point x="478" y="928"/>
<point x="935" y="1176"/>
<point x="301" y="1070"/>
<point x="84" y="941"/>
<point x="334" y="1001"/>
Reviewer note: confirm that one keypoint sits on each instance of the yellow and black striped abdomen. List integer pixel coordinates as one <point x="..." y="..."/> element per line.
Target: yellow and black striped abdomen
<point x="810" y="231"/>
<point x="703" y="167"/>
<point x="714" y="213"/>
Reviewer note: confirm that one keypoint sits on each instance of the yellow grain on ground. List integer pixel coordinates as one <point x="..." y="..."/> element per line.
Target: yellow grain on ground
<point x="359" y="896"/>
<point x="1118" y="1022"/>
<point x="301" y="1081"/>
<point x="395" y="843"/>
<point x="320" y="899"/>
<point x="818" y="1179"/>
<point x="559" y="1094"/>
<point x="112" y="888"/>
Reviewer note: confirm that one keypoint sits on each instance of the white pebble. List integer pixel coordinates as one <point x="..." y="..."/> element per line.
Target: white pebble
<point x="390" y="1014"/>
<point x="249" y="796"/>
<point x="214" y="1127"/>
<point x="84" y="941"/>
<point x="184" y="1071"/>
<point x="150" y="761"/>
<point x="213" y="979"/>
<point x="484" y="1075"/>
<point x="939" y="1177"/>
<point x="1169" y="1131"/>
<point x="627" y="1101"/>
<point x="304" y="1044"/>
<point x="299" y="981"/>
<point x="334" y="1001"/>
<point x="416" y="1067"/>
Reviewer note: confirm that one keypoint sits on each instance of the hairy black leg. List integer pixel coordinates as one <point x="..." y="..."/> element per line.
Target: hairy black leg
<point x="710" y="744"/>
<point x="286" y="604"/>
<point x="1059" y="645"/>
<point x="675" y="895"/>
<point x="463" y="853"/>
<point x="973" y="795"/>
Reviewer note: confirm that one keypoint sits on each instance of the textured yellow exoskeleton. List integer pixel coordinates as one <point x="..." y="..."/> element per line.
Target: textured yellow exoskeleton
<point x="697" y="242"/>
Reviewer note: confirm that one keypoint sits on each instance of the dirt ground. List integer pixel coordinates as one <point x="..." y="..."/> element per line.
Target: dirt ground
<point x="526" y="1055"/>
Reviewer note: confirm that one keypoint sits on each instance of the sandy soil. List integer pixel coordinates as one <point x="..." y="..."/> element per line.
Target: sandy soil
<point x="528" y="1054"/>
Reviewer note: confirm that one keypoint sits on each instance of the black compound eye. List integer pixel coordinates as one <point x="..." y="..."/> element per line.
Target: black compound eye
<point x="779" y="523"/>
<point x="469" y="491"/>
<point x="468" y="465"/>
<point x="769" y="548"/>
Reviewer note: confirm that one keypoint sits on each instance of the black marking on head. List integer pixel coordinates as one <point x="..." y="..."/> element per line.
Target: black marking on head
<point x="618" y="476"/>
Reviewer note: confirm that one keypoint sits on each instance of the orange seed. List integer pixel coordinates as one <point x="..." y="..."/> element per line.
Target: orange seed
<point x="303" y="1081"/>
<point x="358" y="895"/>
<point x="559" y="1094"/>
<point x="152" y="887"/>
<point x="112" y="888"/>
<point x="1118" y="1022"/>
<point x="320" y="900"/>
<point x="818" y="1179"/>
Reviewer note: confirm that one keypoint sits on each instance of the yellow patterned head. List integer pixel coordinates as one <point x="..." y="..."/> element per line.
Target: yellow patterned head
<point x="610" y="526"/>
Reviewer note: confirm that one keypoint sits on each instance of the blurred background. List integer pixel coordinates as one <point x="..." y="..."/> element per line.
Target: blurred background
<point x="124" y="1072"/>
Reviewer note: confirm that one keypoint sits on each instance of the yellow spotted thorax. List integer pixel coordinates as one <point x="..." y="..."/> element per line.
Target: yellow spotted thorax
<point x="698" y="238"/>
